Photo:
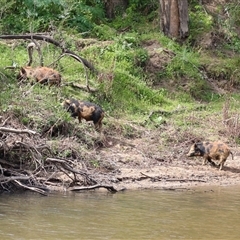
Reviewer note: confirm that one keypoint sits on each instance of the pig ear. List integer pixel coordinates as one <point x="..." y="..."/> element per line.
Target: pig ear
<point x="67" y="102"/>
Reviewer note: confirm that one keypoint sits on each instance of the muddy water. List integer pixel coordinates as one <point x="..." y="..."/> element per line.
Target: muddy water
<point x="203" y="213"/>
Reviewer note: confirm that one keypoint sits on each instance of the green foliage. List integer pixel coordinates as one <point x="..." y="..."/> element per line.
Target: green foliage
<point x="141" y="57"/>
<point x="184" y="64"/>
<point x="84" y="14"/>
<point x="45" y="15"/>
<point x="229" y="26"/>
<point x="200" y="90"/>
<point x="199" y="21"/>
<point x="103" y="32"/>
<point x="122" y="62"/>
<point x="138" y="16"/>
<point x="131" y="95"/>
<point x="234" y="44"/>
<point x="224" y="22"/>
<point x="123" y="88"/>
<point x="234" y="13"/>
<point x="95" y="163"/>
<point x="143" y="6"/>
<point x="32" y="15"/>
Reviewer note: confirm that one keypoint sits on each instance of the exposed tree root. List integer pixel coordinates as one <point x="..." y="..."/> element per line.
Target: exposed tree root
<point x="28" y="162"/>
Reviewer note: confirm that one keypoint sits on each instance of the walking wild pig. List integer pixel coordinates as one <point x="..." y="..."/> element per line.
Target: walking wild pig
<point x="42" y="75"/>
<point x="211" y="151"/>
<point x="88" y="111"/>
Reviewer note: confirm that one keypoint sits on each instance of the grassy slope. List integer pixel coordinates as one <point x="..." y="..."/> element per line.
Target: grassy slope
<point x="177" y="96"/>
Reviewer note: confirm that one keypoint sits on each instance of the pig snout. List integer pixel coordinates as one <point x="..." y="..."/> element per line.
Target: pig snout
<point x="192" y="151"/>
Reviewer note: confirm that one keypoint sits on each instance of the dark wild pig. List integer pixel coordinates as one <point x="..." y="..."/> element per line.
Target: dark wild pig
<point x="211" y="151"/>
<point x="88" y="111"/>
<point x="43" y="75"/>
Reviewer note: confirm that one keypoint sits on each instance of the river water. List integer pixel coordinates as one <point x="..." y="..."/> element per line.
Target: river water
<point x="202" y="213"/>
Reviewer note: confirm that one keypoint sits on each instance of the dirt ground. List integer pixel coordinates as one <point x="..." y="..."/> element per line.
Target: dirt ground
<point x="141" y="164"/>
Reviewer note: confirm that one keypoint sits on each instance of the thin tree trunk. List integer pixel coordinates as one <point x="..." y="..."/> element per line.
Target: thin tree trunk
<point x="174" y="18"/>
<point x="184" y="19"/>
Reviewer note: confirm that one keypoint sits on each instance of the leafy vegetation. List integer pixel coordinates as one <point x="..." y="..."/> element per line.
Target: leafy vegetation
<point x="47" y="15"/>
<point x="127" y="88"/>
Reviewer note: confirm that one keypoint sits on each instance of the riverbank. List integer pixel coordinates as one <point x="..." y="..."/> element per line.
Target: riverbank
<point x="141" y="164"/>
<point x="145" y="160"/>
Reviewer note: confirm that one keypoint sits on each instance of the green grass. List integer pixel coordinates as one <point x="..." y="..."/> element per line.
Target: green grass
<point x="124" y="89"/>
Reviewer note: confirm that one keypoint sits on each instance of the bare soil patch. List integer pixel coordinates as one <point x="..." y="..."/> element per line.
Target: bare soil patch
<point x="142" y="165"/>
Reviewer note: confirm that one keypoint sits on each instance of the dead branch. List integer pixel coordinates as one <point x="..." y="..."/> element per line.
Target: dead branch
<point x="27" y="162"/>
<point x="108" y="187"/>
<point x="85" y="88"/>
<point x="35" y="189"/>
<point x="30" y="47"/>
<point x="64" y="161"/>
<point x="20" y="177"/>
<point x="33" y="44"/>
<point x="80" y="60"/>
<point x="5" y="121"/>
<point x="13" y="178"/>
<point x="5" y="162"/>
<point x="10" y="67"/>
<point x="54" y="42"/>
<point x="171" y="53"/>
<point x="18" y="131"/>
<point x="33" y="150"/>
<point x="66" y="166"/>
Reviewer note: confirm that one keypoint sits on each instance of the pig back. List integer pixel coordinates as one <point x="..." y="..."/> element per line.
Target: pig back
<point x="216" y="150"/>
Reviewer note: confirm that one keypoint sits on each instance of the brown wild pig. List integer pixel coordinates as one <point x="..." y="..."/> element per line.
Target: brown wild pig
<point x="42" y="75"/>
<point x="211" y="150"/>
<point x="88" y="111"/>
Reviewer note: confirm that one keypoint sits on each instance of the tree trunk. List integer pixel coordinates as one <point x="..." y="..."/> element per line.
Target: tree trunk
<point x="174" y="18"/>
<point x="114" y="7"/>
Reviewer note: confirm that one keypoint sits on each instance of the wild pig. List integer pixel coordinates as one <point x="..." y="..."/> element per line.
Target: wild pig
<point x="88" y="111"/>
<point x="42" y="75"/>
<point x="211" y="151"/>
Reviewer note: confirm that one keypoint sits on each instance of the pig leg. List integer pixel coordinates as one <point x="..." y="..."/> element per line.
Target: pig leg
<point x="98" y="122"/>
<point x="222" y="161"/>
<point x="211" y="162"/>
<point x="208" y="159"/>
<point x="204" y="161"/>
<point x="79" y="118"/>
<point x="43" y="80"/>
<point x="98" y="125"/>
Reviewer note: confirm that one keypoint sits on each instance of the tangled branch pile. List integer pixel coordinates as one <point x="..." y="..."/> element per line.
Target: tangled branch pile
<point x="27" y="161"/>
